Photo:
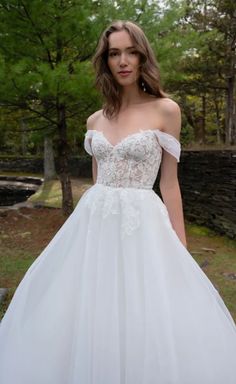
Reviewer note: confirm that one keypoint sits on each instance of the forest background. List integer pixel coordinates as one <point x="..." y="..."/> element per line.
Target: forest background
<point x="47" y="80"/>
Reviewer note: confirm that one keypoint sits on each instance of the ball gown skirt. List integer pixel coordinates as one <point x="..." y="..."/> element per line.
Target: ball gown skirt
<point x="115" y="297"/>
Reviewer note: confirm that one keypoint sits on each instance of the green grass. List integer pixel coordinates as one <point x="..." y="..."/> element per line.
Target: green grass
<point x="49" y="193"/>
<point x="30" y="174"/>
<point x="13" y="265"/>
<point x="200" y="230"/>
<point x="219" y="252"/>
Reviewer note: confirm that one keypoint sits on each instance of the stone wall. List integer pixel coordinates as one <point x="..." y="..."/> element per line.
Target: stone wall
<point x="79" y="166"/>
<point x="208" y="185"/>
<point x="207" y="181"/>
<point x="21" y="164"/>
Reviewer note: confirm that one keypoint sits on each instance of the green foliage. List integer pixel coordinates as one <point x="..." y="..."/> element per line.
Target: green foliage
<point x="45" y="60"/>
<point x="195" y="53"/>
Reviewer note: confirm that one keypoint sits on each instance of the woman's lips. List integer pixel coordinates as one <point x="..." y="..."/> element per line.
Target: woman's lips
<point x="124" y="73"/>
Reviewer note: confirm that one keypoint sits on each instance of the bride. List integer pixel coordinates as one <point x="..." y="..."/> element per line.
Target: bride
<point x="115" y="297"/>
<point x="128" y="78"/>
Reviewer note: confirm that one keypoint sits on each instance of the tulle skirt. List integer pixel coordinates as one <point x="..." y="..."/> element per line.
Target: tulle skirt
<point x="115" y="298"/>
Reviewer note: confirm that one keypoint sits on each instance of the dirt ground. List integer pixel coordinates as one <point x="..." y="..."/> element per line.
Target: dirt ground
<point x="30" y="229"/>
<point x="33" y="228"/>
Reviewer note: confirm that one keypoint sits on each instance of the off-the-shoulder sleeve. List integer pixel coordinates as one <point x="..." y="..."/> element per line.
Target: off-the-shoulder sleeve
<point x="87" y="141"/>
<point x="169" y="143"/>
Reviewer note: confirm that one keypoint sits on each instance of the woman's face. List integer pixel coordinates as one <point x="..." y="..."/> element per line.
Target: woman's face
<point x="123" y="59"/>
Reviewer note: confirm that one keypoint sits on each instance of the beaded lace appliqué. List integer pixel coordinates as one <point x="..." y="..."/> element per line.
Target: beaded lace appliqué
<point x="107" y="201"/>
<point x="125" y="202"/>
<point x="126" y="173"/>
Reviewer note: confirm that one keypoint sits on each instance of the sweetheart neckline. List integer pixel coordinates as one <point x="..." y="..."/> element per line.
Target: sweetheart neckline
<point x="132" y="134"/>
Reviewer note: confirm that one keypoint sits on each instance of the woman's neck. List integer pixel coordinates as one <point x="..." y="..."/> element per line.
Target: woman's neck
<point x="130" y="95"/>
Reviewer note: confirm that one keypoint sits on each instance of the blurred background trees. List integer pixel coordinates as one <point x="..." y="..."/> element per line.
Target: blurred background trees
<point x="47" y="81"/>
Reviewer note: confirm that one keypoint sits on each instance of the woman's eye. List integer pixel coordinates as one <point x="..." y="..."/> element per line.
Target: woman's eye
<point x="113" y="54"/>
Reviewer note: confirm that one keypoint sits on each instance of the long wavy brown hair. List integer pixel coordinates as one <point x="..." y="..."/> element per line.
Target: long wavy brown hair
<point x="149" y="78"/>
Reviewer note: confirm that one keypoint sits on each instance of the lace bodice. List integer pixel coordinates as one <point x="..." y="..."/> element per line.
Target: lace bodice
<point x="134" y="161"/>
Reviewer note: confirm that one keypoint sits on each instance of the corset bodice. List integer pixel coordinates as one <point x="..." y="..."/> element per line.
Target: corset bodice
<point x="134" y="161"/>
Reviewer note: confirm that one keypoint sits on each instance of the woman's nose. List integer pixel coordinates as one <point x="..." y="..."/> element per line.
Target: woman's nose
<point x="123" y="59"/>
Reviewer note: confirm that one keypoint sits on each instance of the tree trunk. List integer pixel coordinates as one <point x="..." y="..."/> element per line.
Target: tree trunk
<point x="203" y="130"/>
<point x="49" y="163"/>
<point x="200" y="122"/>
<point x="63" y="149"/>
<point x="23" y="137"/>
<point x="230" y="139"/>
<point x="230" y="99"/>
<point x="218" y="123"/>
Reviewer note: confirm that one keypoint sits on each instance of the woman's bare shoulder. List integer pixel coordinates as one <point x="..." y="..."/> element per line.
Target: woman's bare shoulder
<point x="168" y="106"/>
<point x="171" y="116"/>
<point x="92" y="119"/>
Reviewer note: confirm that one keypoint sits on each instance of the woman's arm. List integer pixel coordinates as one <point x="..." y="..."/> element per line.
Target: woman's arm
<point x="94" y="169"/>
<point x="169" y="184"/>
<point x="171" y="195"/>
<point x="91" y="120"/>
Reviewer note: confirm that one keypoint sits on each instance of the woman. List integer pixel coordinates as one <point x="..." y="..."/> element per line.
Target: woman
<point x="116" y="297"/>
<point x="128" y="77"/>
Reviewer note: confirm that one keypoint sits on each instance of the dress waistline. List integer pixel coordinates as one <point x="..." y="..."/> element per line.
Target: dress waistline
<point x="145" y="188"/>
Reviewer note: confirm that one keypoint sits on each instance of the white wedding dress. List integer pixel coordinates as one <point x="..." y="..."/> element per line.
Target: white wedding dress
<point x="116" y="298"/>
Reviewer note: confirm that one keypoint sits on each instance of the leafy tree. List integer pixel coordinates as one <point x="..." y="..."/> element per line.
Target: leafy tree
<point x="47" y="79"/>
<point x="44" y="69"/>
<point x="45" y="50"/>
<point x="195" y="56"/>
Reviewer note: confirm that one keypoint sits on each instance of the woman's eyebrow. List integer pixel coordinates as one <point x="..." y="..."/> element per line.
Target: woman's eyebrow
<point x="117" y="49"/>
